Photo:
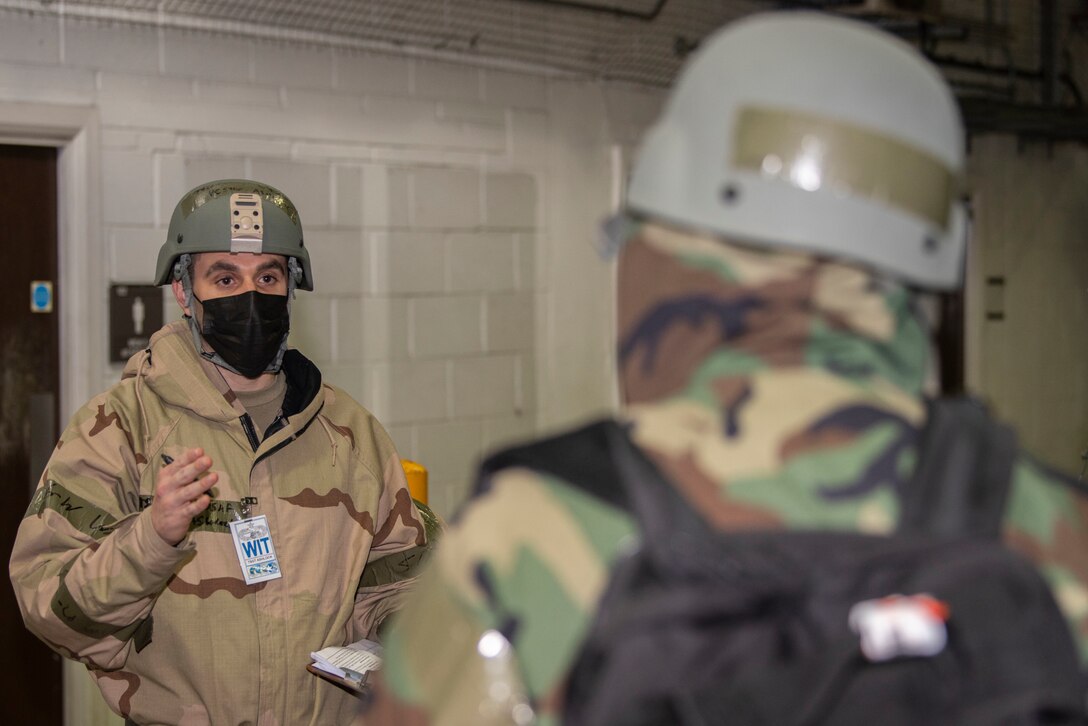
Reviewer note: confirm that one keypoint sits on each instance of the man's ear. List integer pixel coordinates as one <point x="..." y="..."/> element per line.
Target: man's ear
<point x="179" y="295"/>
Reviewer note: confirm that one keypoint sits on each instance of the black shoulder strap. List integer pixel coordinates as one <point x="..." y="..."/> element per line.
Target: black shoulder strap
<point x="961" y="482"/>
<point x="581" y="457"/>
<point x="600" y="459"/>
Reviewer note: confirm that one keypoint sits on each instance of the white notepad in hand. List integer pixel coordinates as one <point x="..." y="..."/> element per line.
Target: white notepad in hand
<point x="351" y="662"/>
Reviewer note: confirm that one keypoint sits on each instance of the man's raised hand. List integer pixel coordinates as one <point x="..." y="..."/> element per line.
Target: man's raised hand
<point x="181" y="493"/>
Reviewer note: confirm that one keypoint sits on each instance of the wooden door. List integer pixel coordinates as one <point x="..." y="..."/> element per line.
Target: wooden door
<point x="29" y="392"/>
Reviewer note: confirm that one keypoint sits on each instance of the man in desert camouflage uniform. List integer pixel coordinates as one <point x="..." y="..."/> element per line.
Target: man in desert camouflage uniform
<point x="801" y="182"/>
<point x="125" y="560"/>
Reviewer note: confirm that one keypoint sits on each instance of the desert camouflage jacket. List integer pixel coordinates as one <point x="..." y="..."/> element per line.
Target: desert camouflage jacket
<point x="173" y="635"/>
<point x="775" y="390"/>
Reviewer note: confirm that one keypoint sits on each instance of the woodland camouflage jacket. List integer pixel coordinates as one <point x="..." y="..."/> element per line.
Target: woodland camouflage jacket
<point x="174" y="635"/>
<point x="774" y="390"/>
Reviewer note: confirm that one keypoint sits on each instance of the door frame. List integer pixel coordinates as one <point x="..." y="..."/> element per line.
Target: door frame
<point x="81" y="270"/>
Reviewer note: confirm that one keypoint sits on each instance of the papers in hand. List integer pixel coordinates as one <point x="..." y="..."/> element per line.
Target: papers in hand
<point x="351" y="662"/>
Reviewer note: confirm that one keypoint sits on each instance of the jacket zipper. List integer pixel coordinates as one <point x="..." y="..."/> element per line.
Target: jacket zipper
<point x="251" y="434"/>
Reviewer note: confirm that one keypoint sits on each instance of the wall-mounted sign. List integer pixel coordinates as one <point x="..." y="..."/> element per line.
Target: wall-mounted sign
<point x="135" y="313"/>
<point x="41" y="296"/>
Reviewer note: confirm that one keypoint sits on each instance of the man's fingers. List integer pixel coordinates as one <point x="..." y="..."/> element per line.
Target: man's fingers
<point x="194" y="489"/>
<point x="182" y="460"/>
<point x="182" y="474"/>
<point x="191" y="471"/>
<point x="198" y="505"/>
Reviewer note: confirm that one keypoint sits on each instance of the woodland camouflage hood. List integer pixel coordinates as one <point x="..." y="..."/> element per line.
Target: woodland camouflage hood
<point x="695" y="312"/>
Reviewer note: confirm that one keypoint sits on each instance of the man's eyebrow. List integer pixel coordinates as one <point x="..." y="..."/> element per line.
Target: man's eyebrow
<point x="272" y="265"/>
<point x="226" y="266"/>
<point x="221" y="266"/>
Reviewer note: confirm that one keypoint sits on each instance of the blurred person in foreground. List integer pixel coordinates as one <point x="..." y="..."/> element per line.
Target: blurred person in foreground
<point x="800" y="189"/>
<point x="222" y="511"/>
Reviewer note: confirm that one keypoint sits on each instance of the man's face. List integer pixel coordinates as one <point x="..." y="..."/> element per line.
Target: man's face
<point x="221" y="274"/>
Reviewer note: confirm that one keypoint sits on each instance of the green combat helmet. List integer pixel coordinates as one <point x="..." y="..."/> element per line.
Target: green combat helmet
<point x="234" y="216"/>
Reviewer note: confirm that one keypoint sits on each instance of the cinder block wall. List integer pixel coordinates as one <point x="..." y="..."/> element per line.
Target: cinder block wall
<point x="450" y="210"/>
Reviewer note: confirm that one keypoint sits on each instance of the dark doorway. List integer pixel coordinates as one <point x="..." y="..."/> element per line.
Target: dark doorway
<point x="950" y="344"/>
<point x="29" y="392"/>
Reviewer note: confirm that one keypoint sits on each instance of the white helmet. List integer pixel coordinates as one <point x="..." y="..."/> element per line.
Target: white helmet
<point x="818" y="133"/>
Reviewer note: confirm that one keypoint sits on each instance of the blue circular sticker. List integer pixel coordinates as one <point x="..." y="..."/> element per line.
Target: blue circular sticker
<point x="41" y="296"/>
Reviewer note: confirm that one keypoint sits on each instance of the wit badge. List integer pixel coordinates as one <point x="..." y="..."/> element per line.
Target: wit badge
<point x="256" y="553"/>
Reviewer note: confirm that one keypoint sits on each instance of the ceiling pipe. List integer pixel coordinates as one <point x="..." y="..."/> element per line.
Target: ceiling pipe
<point x="645" y="16"/>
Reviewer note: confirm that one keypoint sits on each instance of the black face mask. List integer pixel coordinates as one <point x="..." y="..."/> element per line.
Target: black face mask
<point x="246" y="330"/>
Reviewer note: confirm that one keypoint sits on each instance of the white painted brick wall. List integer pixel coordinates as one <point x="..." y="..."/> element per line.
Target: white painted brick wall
<point x="89" y="44"/>
<point x="347" y="196"/>
<point x="170" y="186"/>
<point x="510" y="325"/>
<point x="46" y="84"/>
<point x="128" y="175"/>
<point x="330" y="151"/>
<point x="404" y="263"/>
<point x="120" y="88"/>
<point x="372" y="329"/>
<point x="325" y="103"/>
<point x="448" y="209"/>
<point x="529" y="139"/>
<point x="256" y="148"/>
<point x="29" y="39"/>
<point x="515" y="90"/>
<point x="311" y="325"/>
<point x="446" y="326"/>
<point x="444" y="198"/>
<point x="307" y="184"/>
<point x="356" y="383"/>
<point x="410" y="391"/>
<point x="306" y="65"/>
<point x="485" y="386"/>
<point x="360" y="73"/>
<point x="501" y="431"/>
<point x="442" y="203"/>
<point x="530" y="249"/>
<point x="198" y="54"/>
<point x="471" y="111"/>
<point x="414" y="122"/>
<point x="483" y="261"/>
<point x="454" y="447"/>
<point x="446" y="80"/>
<point x="397" y="195"/>
<point x="337" y="258"/>
<point x="511" y="201"/>
<point x="254" y="97"/>
<point x="200" y="169"/>
<point x="133" y="251"/>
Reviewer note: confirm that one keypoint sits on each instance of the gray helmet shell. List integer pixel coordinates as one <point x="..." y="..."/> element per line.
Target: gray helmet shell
<point x="816" y="133"/>
<point x="206" y="220"/>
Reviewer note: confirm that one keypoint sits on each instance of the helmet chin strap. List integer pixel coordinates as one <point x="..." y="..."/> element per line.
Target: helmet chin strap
<point x="182" y="268"/>
<point x="294" y="276"/>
